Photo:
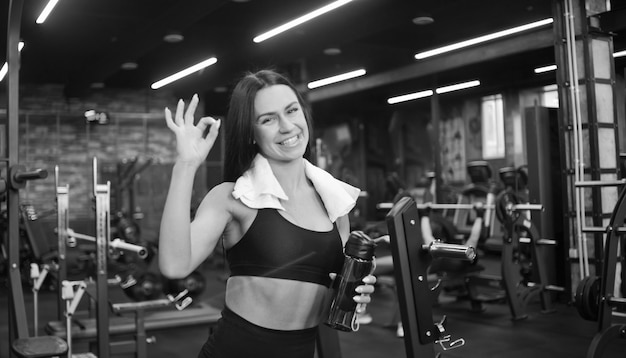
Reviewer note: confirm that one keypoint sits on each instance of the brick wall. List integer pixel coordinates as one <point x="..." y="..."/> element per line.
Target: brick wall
<point x="53" y="132"/>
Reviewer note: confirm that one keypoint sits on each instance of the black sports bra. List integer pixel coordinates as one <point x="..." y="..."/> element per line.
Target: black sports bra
<point x="274" y="247"/>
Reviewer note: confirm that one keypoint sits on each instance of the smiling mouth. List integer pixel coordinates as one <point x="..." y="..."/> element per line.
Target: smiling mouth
<point x="290" y="142"/>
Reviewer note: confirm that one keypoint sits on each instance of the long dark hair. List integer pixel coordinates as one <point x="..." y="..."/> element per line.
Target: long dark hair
<point x="240" y="149"/>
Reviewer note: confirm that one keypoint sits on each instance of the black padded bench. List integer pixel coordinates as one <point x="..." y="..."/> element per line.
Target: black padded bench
<point x="85" y="329"/>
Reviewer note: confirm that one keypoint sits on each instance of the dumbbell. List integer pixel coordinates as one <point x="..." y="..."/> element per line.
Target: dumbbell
<point x="195" y="284"/>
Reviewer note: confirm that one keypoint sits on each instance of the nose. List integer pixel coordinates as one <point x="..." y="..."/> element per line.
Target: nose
<point x="285" y="124"/>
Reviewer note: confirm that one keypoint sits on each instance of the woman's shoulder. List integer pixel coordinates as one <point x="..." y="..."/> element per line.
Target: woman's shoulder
<point x="224" y="188"/>
<point x="221" y="196"/>
<point x="219" y="200"/>
<point x="223" y="193"/>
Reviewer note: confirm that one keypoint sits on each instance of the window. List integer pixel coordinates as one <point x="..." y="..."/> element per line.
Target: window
<point x="550" y="96"/>
<point x="492" y="110"/>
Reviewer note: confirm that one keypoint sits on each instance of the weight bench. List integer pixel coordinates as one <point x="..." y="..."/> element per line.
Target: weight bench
<point x="85" y="329"/>
<point x="39" y="347"/>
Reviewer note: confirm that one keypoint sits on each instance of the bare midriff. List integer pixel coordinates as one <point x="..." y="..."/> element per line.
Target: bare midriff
<point x="275" y="303"/>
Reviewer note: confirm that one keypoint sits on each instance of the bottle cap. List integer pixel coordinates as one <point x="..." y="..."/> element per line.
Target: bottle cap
<point x="360" y="245"/>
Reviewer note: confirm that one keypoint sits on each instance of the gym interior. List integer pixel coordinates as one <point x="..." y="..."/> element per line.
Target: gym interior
<point x="487" y="138"/>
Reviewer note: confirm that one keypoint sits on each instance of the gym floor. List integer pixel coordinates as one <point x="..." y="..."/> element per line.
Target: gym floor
<point x="490" y="333"/>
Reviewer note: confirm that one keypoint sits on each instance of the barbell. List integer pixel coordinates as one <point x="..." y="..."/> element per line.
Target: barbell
<point x="117" y="244"/>
<point x="458" y="206"/>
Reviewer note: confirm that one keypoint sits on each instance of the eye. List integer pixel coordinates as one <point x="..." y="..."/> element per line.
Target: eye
<point x="266" y="120"/>
<point x="293" y="110"/>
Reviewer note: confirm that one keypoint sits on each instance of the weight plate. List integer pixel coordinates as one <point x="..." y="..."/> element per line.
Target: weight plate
<point x="587" y="298"/>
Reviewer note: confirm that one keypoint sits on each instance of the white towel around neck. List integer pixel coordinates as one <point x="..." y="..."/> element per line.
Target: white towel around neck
<point x="258" y="188"/>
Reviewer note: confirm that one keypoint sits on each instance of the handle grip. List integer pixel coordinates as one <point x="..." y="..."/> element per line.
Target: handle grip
<point x="453" y="251"/>
<point x="19" y="176"/>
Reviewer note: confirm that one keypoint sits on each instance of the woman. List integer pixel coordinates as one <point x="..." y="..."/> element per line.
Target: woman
<point x="282" y="221"/>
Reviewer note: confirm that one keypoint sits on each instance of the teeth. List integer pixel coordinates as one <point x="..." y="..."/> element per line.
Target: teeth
<point x="290" y="141"/>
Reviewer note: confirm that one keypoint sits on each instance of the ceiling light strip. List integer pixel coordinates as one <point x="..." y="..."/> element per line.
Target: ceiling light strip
<point x="410" y="96"/>
<point x="545" y="69"/>
<point x="481" y="39"/>
<point x="5" y="67"/>
<point x="458" y="86"/>
<point x="427" y="93"/>
<point x="46" y="11"/>
<point x="300" y="20"/>
<point x="335" y="79"/>
<point x="553" y="67"/>
<point x="186" y="72"/>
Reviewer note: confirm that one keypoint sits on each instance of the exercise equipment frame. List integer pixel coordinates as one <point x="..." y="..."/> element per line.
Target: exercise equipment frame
<point x="411" y="258"/>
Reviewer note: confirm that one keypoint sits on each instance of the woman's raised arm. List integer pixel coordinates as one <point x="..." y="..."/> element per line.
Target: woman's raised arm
<point x="192" y="146"/>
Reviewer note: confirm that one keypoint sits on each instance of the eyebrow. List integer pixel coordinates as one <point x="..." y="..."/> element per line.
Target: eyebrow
<point x="270" y="113"/>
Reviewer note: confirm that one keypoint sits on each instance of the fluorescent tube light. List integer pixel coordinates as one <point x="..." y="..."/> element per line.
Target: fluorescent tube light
<point x="477" y="40"/>
<point x="553" y="67"/>
<point x="458" y="86"/>
<point x="545" y="69"/>
<point x="335" y="79"/>
<point x="426" y="93"/>
<point x="5" y="67"/>
<point x="409" y="96"/>
<point x="183" y="73"/>
<point x="300" y="20"/>
<point x="46" y="11"/>
<point x="4" y="70"/>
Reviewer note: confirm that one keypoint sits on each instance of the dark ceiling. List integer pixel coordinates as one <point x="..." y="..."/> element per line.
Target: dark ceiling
<point x="85" y="42"/>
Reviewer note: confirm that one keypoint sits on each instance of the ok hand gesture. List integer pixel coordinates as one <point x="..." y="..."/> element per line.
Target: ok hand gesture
<point x="191" y="143"/>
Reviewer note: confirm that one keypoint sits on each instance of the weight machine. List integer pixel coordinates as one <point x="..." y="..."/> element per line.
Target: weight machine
<point x="103" y="326"/>
<point x="519" y="230"/>
<point x="522" y="235"/>
<point x="411" y="257"/>
<point x="127" y="212"/>
<point x="22" y="343"/>
<point x="595" y="297"/>
<point x="489" y="288"/>
<point x="481" y="189"/>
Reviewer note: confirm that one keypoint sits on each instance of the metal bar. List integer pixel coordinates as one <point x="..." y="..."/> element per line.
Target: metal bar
<point x="435" y="109"/>
<point x="118" y="244"/>
<point x="141" y="349"/>
<point x="546" y="242"/>
<point x="599" y="229"/>
<point x="461" y="252"/>
<point x="143" y="305"/>
<point x="18" y="326"/>
<point x="411" y="263"/>
<point x="608" y="273"/>
<point x="508" y="276"/>
<point x="101" y="193"/>
<point x="516" y="207"/>
<point x="535" y="207"/>
<point x="617" y="302"/>
<point x="62" y="201"/>
<point x="451" y="206"/>
<point x="547" y="287"/>
<point x="599" y="183"/>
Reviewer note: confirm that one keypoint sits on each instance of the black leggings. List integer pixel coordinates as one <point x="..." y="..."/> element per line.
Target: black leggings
<point x="234" y="337"/>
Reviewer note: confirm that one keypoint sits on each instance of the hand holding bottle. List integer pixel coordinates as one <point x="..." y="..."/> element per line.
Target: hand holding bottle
<point x="354" y="284"/>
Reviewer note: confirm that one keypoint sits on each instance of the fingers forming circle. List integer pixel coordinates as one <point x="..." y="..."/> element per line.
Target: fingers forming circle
<point x="178" y="117"/>
<point x="191" y="109"/>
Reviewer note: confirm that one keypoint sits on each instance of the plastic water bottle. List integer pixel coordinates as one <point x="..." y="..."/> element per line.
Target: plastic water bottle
<point x="358" y="263"/>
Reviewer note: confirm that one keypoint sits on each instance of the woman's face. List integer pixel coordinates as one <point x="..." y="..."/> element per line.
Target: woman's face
<point x="280" y="127"/>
